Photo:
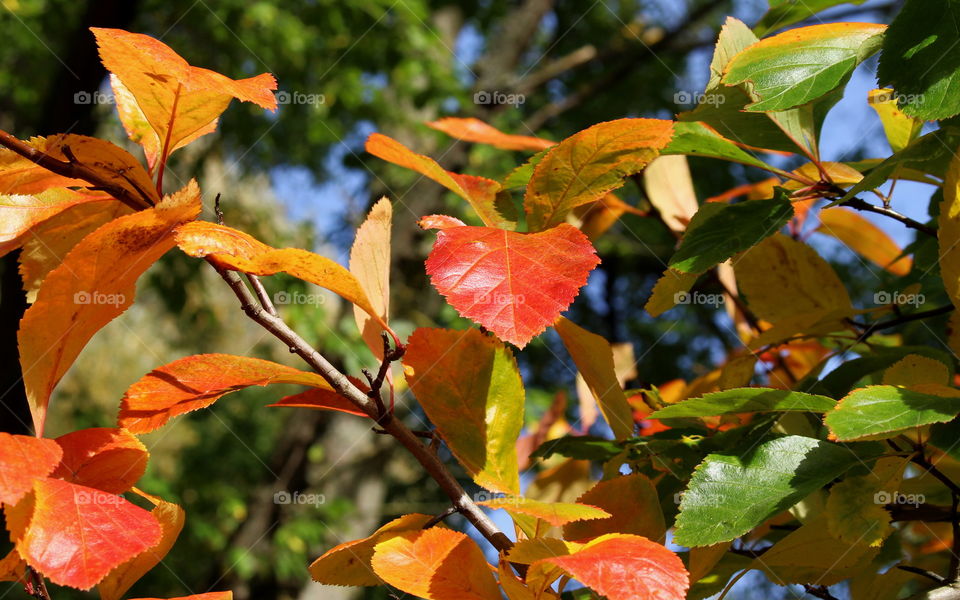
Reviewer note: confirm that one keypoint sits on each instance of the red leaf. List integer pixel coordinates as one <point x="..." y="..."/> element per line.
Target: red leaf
<point x="207" y="596"/>
<point x="77" y="534"/>
<point x="196" y="382"/>
<point x="514" y="284"/>
<point x="627" y="567"/>
<point x="108" y="459"/>
<point x="322" y="400"/>
<point x="23" y="460"/>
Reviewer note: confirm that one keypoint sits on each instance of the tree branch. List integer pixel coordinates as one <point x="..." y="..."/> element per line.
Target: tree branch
<point x="339" y="382"/>
<point x="863" y="205"/>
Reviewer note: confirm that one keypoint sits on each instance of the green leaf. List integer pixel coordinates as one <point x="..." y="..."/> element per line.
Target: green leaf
<point x="697" y="139"/>
<point x="520" y="177"/>
<point x="717" y="232"/>
<point x="784" y="13"/>
<point x="840" y="381"/>
<point x="919" y="58"/>
<point x="730" y="494"/>
<point x="580" y="447"/>
<point x="886" y="410"/>
<point x="744" y="400"/>
<point x="801" y="65"/>
<point x="470" y="388"/>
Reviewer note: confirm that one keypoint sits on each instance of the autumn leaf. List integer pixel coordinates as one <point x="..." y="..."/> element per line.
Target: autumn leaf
<point x="76" y="534"/>
<point x="593" y="356"/>
<point x="948" y="232"/>
<point x="900" y="128"/>
<point x="94" y="284"/>
<point x="323" y="399"/>
<point x="469" y="387"/>
<point x="554" y="513"/>
<point x="513" y="284"/>
<point x="20" y="214"/>
<point x="171" y="518"/>
<point x="669" y="187"/>
<point x="672" y="287"/>
<point x="475" y="130"/>
<point x="104" y="458"/>
<point x="436" y="564"/>
<point x="232" y="249"/>
<point x="179" y="102"/>
<point x="480" y="192"/>
<point x="349" y="563"/>
<point x="854" y="514"/>
<point x="113" y="164"/>
<point x="207" y="596"/>
<point x="23" y="460"/>
<point x="370" y="264"/>
<point x="627" y="567"/>
<point x="589" y="164"/>
<point x="865" y="238"/>
<point x="633" y="505"/>
<point x="196" y="382"/>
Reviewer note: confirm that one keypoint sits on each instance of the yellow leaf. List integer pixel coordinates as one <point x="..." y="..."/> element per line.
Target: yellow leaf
<point x="856" y="508"/>
<point x="669" y="188"/>
<point x="234" y="250"/>
<point x="915" y="369"/>
<point x="899" y="128"/>
<point x="554" y="513"/>
<point x="594" y="358"/>
<point x="865" y="238"/>
<point x="634" y="508"/>
<point x="670" y="289"/>
<point x="948" y="232"/>
<point x="370" y="264"/>
<point x="95" y="283"/>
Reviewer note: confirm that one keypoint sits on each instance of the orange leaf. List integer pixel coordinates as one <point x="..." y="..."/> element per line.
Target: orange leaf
<point x="95" y="283"/>
<point x="370" y="264"/>
<point x="475" y="130"/>
<point x="171" y="518"/>
<point x="19" y="214"/>
<point x="321" y="399"/>
<point x="587" y="165"/>
<point x="634" y="504"/>
<point x="178" y="101"/>
<point x="196" y="382"/>
<point x="627" y="567"/>
<point x="19" y="175"/>
<point x="76" y="534"/>
<point x="866" y="239"/>
<point x="436" y="564"/>
<point x="349" y="563"/>
<point x="23" y="460"/>
<point x="108" y="459"/>
<point x="480" y="192"/>
<point x="514" y="284"/>
<point x="12" y="567"/>
<point x="235" y="250"/>
<point x="46" y="244"/>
